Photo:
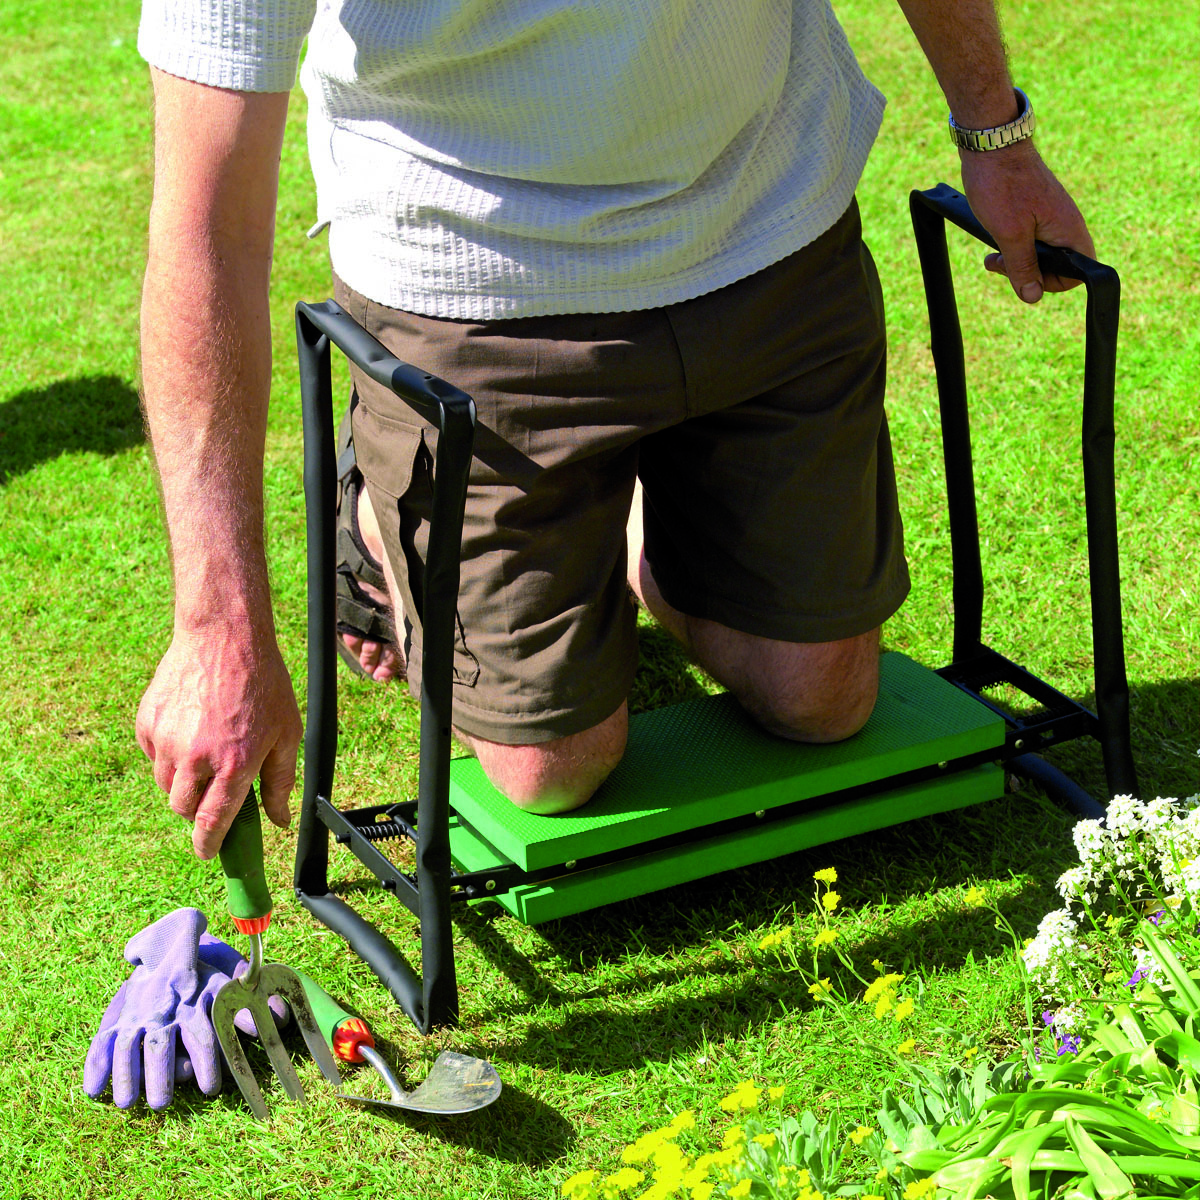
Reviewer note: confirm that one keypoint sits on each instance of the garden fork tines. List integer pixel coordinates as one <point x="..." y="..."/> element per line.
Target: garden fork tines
<point x="250" y="906"/>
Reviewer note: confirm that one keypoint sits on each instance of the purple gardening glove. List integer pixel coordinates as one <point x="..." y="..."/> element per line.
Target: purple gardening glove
<point x="157" y="1029"/>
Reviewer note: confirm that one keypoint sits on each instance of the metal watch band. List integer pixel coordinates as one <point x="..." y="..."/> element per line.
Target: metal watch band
<point x="999" y="136"/>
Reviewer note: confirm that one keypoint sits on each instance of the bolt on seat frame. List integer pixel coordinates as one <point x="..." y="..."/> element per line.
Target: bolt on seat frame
<point x="434" y="888"/>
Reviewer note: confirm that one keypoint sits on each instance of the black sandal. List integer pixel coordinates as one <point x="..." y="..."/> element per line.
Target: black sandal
<point x="358" y="613"/>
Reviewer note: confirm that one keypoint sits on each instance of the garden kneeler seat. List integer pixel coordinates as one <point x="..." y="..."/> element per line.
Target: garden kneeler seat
<point x="701" y="788"/>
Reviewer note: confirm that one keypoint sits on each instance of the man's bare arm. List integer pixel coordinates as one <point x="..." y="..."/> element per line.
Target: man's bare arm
<point x="220" y="711"/>
<point x="1012" y="192"/>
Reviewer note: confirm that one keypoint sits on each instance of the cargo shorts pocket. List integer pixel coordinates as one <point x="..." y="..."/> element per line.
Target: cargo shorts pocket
<point x="397" y="463"/>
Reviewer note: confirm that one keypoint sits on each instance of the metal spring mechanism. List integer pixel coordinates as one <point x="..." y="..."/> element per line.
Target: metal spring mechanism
<point x="377" y="827"/>
<point x="383" y="831"/>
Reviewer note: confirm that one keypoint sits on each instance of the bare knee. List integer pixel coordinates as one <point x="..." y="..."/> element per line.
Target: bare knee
<point x="808" y="692"/>
<point x="814" y="714"/>
<point x="555" y="776"/>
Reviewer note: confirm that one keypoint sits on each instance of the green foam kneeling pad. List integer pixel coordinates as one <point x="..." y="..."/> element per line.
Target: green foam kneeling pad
<point x="580" y="891"/>
<point x="692" y="764"/>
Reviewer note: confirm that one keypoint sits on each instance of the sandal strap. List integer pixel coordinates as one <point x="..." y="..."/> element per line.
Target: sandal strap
<point x="357" y="614"/>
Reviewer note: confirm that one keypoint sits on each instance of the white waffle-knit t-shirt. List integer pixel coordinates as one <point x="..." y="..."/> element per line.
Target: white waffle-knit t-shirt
<point x="503" y="158"/>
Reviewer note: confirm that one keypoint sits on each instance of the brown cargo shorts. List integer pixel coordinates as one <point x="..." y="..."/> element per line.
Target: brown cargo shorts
<point x="753" y="416"/>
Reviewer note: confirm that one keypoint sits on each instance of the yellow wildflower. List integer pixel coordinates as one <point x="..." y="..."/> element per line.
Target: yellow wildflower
<point x="699" y="1170"/>
<point x="881" y="968"/>
<point x="740" y="1189"/>
<point x="830" y="901"/>
<point x="826" y="875"/>
<point x="670" y="1175"/>
<point x="881" y="1175"/>
<point x="904" y="1009"/>
<point x="885" y="983"/>
<point x="870" y="1196"/>
<point x="684" y="1120"/>
<point x="861" y="1134"/>
<point x="883" y="1005"/>
<point x="825" y="937"/>
<point x="745" y="1095"/>
<point x="766" y="1140"/>
<point x="624" y="1179"/>
<point x="907" y="1046"/>
<point x="775" y="1094"/>
<point x="820" y="988"/>
<point x="579" y="1185"/>
<point x="776" y="938"/>
<point x="641" y="1150"/>
<point x="970" y="1052"/>
<point x="702" y="1191"/>
<point x="974" y="896"/>
<point x="920" y="1187"/>
<point x="734" y="1136"/>
<point x="657" y="1191"/>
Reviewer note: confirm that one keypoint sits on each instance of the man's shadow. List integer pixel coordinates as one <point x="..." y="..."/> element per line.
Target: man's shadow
<point x="92" y="412"/>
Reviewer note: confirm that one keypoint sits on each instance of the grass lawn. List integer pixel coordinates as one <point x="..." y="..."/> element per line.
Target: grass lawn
<point x="602" y="1025"/>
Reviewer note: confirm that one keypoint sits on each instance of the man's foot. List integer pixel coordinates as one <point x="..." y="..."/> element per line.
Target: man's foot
<point x="366" y="626"/>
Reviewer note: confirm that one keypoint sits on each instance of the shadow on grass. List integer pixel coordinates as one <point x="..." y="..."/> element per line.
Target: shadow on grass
<point x="489" y="1131"/>
<point x="93" y="412"/>
<point x="691" y="939"/>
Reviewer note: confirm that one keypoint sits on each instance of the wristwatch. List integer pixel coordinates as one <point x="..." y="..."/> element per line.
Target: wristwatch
<point x="999" y="136"/>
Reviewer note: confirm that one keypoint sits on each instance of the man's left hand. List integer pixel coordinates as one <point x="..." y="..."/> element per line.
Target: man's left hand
<point x="1018" y="200"/>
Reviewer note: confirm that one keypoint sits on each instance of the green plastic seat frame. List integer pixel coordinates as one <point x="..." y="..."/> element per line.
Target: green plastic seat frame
<point x="701" y="789"/>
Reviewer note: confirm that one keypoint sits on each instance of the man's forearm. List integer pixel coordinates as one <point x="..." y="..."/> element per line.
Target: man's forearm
<point x="962" y="40"/>
<point x="206" y="340"/>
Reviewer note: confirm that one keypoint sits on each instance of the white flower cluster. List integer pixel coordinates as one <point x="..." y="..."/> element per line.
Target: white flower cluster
<point x="1138" y="850"/>
<point x="1054" y="952"/>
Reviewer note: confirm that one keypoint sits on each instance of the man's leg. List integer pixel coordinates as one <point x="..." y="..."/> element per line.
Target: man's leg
<point x="805" y="691"/>
<point x="771" y="545"/>
<point x="382" y="662"/>
<point x="548" y="777"/>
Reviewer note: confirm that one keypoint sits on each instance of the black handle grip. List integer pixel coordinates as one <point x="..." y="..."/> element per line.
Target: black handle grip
<point x="1052" y="260"/>
<point x="428" y="394"/>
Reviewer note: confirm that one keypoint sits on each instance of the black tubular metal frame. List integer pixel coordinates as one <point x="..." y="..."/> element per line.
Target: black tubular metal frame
<point x="434" y="888"/>
<point x="432" y="998"/>
<point x="976" y="667"/>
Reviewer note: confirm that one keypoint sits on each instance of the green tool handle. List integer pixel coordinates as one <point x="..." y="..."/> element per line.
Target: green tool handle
<point x="241" y="853"/>
<point x="344" y="1033"/>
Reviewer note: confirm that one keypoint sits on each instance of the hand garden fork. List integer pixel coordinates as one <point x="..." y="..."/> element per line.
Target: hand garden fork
<point x="250" y="906"/>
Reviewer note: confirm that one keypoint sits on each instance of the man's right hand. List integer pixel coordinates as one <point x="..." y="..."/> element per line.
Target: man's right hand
<point x="220" y="713"/>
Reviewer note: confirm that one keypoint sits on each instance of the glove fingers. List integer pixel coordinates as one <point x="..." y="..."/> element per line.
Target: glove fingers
<point x="158" y="1055"/>
<point x="98" y="1067"/>
<point x="183" y="1068"/>
<point x="127" y="1067"/>
<point x="280" y="1010"/>
<point x="200" y="1042"/>
<point x="245" y="1022"/>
